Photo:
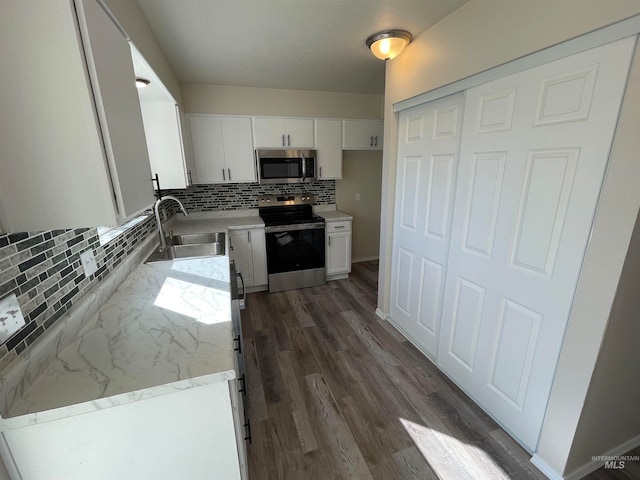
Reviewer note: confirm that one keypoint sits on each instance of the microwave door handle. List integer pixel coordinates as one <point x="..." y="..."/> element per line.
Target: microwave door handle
<point x="304" y="167"/>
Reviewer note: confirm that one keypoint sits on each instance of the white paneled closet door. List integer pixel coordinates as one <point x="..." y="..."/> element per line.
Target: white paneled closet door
<point x="429" y="139"/>
<point x="532" y="161"/>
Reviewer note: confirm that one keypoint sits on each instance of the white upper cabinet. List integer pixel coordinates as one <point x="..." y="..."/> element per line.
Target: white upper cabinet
<point x="329" y="149"/>
<point x="111" y="72"/>
<point x="166" y="129"/>
<point x="187" y="146"/>
<point x="222" y="149"/>
<point x="73" y="153"/>
<point x="164" y="141"/>
<point x="362" y="134"/>
<point x="277" y="132"/>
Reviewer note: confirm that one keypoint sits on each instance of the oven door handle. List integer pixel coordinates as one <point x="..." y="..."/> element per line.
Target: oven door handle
<point x="289" y="228"/>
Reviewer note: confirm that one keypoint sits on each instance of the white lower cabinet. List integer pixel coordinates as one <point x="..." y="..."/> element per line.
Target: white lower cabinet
<point x="238" y="391"/>
<point x="247" y="246"/>
<point x="492" y="224"/>
<point x="190" y="433"/>
<point x="338" y="249"/>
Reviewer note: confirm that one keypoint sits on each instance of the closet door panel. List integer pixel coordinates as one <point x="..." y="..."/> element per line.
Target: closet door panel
<point x="425" y="182"/>
<point x="532" y="161"/>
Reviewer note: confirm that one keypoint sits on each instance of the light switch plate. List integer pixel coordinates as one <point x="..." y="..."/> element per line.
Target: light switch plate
<point x="11" y="319"/>
<point x="89" y="264"/>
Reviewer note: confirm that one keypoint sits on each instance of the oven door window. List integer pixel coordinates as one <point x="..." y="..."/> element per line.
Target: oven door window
<point x="295" y="250"/>
<point x="274" y="168"/>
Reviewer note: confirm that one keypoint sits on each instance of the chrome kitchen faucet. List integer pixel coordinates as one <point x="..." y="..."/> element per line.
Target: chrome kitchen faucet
<point x="156" y="208"/>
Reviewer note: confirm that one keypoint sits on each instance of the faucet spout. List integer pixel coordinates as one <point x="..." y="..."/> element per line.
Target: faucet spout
<point x="156" y="209"/>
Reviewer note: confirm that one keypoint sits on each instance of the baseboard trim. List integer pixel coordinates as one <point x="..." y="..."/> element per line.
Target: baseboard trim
<point x="257" y="288"/>
<point x="364" y="259"/>
<point x="593" y="465"/>
<point x="545" y="468"/>
<point x="381" y="314"/>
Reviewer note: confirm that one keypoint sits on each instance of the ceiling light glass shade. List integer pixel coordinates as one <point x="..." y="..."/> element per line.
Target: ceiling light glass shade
<point x="142" y="82"/>
<point x="389" y="43"/>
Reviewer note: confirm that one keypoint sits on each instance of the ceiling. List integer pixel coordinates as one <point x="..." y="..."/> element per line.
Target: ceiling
<point x="291" y="44"/>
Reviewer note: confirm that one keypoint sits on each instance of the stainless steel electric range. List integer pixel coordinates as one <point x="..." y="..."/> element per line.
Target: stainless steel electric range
<point x="295" y="241"/>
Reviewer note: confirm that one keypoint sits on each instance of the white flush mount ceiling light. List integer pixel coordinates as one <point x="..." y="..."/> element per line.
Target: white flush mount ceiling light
<point x="142" y="82"/>
<point x="388" y="44"/>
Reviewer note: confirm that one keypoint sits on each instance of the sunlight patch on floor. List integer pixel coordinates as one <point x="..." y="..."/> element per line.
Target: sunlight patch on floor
<point x="451" y="458"/>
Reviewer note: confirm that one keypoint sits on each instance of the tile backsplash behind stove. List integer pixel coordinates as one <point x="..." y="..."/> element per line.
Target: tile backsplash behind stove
<point x="240" y="196"/>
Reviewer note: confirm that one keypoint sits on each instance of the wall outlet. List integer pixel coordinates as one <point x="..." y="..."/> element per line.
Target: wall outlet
<point x="11" y="319"/>
<point x="89" y="264"/>
<point x="358" y="197"/>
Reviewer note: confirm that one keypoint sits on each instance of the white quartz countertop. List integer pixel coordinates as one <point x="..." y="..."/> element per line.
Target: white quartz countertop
<point x="167" y="327"/>
<point x="334" y="215"/>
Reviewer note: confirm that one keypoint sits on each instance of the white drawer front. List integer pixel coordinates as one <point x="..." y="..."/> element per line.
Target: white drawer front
<point x="344" y="226"/>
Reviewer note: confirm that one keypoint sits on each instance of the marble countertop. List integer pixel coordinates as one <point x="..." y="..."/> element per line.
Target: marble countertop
<point x="334" y="215"/>
<point x="238" y="219"/>
<point x="167" y="327"/>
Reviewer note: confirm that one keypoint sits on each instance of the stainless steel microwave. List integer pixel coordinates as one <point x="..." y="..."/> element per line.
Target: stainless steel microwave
<point x="286" y="166"/>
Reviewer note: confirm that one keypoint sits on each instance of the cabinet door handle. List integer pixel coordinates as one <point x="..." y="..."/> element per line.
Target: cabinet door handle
<point x="229" y="173"/>
<point x="329" y="238"/>
<point x="376" y="142"/>
<point x="288" y="140"/>
<point x="224" y="176"/>
<point x="249" y="236"/>
<point x="283" y="144"/>
<point x="247" y="426"/>
<point x="320" y="172"/>
<point x="338" y="226"/>
<point x="371" y="141"/>
<point x="239" y="347"/>
<point x="243" y="390"/>
<point x="189" y="179"/>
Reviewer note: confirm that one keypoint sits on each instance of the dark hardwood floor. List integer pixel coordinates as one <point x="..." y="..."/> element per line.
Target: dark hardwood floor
<point x="334" y="392"/>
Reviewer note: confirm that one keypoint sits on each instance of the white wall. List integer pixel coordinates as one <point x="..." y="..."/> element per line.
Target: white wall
<point x="230" y="100"/>
<point x="361" y="174"/>
<point x="481" y="35"/>
<point x="610" y="414"/>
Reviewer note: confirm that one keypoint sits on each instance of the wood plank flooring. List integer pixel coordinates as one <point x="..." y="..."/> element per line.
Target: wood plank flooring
<point x="334" y="392"/>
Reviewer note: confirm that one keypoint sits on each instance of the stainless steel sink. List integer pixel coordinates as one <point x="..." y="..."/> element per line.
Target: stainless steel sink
<point x="190" y="246"/>
<point x="196" y="238"/>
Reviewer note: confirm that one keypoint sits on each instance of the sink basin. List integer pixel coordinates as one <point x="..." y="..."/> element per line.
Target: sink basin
<point x="196" y="238"/>
<point x="190" y="246"/>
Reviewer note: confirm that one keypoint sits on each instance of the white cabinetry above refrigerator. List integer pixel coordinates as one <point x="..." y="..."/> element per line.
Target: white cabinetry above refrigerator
<point x="278" y="132"/>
